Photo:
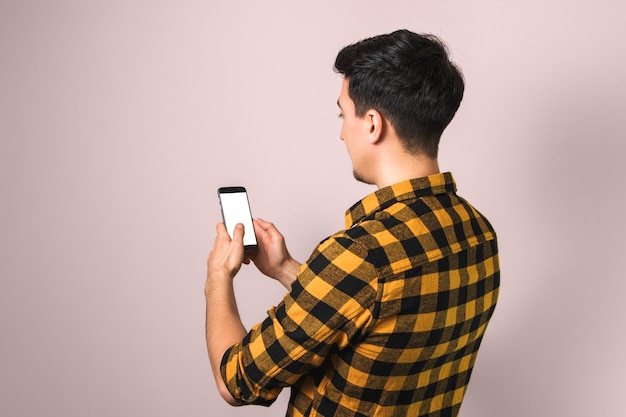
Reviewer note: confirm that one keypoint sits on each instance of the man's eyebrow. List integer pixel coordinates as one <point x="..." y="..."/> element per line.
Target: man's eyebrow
<point x="338" y="105"/>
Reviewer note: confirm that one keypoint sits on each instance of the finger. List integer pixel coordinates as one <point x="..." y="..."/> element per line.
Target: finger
<point x="267" y="227"/>
<point x="238" y="232"/>
<point x="260" y="229"/>
<point x="220" y="228"/>
<point x="264" y="224"/>
<point x="271" y="230"/>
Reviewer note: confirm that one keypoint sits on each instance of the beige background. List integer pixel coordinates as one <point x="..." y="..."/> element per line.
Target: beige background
<point x="119" y="119"/>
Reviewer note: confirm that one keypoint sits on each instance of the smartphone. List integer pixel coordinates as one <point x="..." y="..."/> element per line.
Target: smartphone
<point x="236" y="209"/>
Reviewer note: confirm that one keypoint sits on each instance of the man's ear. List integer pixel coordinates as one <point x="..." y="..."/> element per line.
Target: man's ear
<point x="375" y="125"/>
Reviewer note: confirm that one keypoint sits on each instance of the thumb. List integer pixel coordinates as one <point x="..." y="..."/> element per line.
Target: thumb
<point x="238" y="232"/>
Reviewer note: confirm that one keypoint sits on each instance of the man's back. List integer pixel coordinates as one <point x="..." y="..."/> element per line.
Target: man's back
<point x="438" y="285"/>
<point x="386" y="317"/>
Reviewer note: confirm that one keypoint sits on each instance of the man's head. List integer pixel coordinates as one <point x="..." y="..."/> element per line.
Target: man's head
<point x="410" y="80"/>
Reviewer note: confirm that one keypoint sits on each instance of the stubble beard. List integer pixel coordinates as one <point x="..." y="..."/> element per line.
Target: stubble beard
<point x="360" y="178"/>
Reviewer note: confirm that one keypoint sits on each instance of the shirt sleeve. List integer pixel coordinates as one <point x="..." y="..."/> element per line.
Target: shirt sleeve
<point x="330" y="304"/>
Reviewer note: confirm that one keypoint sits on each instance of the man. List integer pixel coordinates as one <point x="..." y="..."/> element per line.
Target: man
<point x="386" y="316"/>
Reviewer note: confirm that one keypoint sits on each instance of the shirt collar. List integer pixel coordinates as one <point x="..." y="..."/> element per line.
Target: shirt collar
<point x="405" y="190"/>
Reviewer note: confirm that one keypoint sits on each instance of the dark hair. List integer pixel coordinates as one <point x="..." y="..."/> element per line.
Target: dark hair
<point x="409" y="79"/>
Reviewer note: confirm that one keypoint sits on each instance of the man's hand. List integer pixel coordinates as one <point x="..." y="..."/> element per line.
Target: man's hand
<point x="272" y="257"/>
<point x="227" y="255"/>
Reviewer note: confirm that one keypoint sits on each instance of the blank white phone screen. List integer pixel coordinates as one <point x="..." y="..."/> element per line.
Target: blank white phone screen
<point x="236" y="209"/>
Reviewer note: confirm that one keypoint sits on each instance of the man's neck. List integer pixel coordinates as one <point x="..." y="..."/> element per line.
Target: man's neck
<point x="406" y="167"/>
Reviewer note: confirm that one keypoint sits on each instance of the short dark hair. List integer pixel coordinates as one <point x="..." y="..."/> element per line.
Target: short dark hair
<point x="409" y="79"/>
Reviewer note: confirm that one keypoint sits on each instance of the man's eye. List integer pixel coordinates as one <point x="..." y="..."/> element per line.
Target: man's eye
<point x="340" y="116"/>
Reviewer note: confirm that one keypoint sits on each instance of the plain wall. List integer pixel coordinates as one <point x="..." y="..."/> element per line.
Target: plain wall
<point x="119" y="120"/>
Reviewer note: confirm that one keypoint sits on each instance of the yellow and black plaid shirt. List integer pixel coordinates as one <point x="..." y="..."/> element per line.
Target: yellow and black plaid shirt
<point x="386" y="317"/>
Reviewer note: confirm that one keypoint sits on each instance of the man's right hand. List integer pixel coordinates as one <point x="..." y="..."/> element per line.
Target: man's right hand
<point x="272" y="257"/>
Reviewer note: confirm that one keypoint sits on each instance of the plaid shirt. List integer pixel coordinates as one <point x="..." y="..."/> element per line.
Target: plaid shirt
<point x="385" y="318"/>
